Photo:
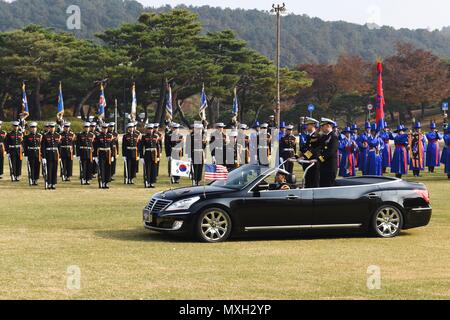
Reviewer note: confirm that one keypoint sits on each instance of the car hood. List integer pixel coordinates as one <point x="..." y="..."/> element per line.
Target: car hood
<point x="183" y="193"/>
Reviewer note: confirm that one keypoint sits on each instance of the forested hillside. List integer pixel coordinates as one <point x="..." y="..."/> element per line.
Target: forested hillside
<point x="305" y="39"/>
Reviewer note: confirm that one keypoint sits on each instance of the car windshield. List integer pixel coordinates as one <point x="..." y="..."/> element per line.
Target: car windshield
<point x="239" y="178"/>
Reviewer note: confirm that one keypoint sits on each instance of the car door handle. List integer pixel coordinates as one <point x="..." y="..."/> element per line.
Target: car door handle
<point x="292" y="197"/>
<point x="373" y="196"/>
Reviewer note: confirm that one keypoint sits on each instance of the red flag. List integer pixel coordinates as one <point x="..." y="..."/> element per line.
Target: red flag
<point x="379" y="104"/>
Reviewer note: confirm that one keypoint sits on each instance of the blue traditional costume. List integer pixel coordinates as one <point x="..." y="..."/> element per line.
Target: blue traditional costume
<point x="400" y="160"/>
<point x="363" y="146"/>
<point x="347" y="148"/>
<point x="447" y="155"/>
<point x="386" y="155"/>
<point x="374" y="160"/>
<point x="433" y="157"/>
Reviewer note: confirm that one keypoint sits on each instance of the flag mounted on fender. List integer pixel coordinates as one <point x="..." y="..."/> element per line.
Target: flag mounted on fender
<point x="102" y="102"/>
<point x="180" y="168"/>
<point x="216" y="172"/>
<point x="380" y="102"/>
<point x="60" y="102"/>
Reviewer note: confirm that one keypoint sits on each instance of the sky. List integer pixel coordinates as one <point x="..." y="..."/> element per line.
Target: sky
<point x="412" y="14"/>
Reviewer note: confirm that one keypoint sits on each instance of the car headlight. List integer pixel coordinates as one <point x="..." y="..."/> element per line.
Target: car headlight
<point x="183" y="204"/>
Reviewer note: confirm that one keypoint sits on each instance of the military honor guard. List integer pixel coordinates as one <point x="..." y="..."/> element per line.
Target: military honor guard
<point x="328" y="153"/>
<point x="232" y="151"/>
<point x="94" y="129"/>
<point x="264" y="141"/>
<point x="14" y="148"/>
<point x="50" y="156"/>
<point x="218" y="144"/>
<point x="114" y="148"/>
<point x="309" y="150"/>
<point x="67" y="150"/>
<point x="85" y="153"/>
<point x="374" y="161"/>
<point x="446" y="157"/>
<point x="32" y="150"/>
<point x="103" y="156"/>
<point x="243" y="145"/>
<point x="2" y="149"/>
<point x="400" y="159"/>
<point x="417" y="143"/>
<point x="196" y="146"/>
<point x="150" y="152"/>
<point x="177" y="150"/>
<point x="432" y="154"/>
<point x="348" y="148"/>
<point x="130" y="153"/>
<point x="288" y="149"/>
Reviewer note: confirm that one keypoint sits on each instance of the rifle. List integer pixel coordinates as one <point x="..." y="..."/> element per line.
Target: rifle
<point x="44" y="172"/>
<point x="30" y="182"/>
<point x="125" y="177"/>
<point x="11" y="173"/>
<point x="63" y="177"/>
<point x="99" y="174"/>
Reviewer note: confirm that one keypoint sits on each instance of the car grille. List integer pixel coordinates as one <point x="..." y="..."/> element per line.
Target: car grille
<point x="157" y="205"/>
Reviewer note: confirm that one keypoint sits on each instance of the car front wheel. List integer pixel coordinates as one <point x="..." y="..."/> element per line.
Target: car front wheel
<point x="213" y="225"/>
<point x="387" y="222"/>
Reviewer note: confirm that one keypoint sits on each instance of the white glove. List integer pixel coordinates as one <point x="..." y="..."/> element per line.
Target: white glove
<point x="124" y="159"/>
<point x="96" y="160"/>
<point x="113" y="159"/>
<point x="44" y="162"/>
<point x="214" y="159"/>
<point x="26" y="158"/>
<point x="78" y="158"/>
<point x="142" y="161"/>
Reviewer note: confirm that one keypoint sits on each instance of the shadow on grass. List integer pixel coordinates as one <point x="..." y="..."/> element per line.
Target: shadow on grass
<point x="140" y="235"/>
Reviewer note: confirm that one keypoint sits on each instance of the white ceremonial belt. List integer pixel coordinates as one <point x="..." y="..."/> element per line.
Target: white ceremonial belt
<point x="51" y="149"/>
<point x="15" y="147"/>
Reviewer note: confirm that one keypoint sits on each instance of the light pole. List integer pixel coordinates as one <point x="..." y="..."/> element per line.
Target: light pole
<point x="278" y="10"/>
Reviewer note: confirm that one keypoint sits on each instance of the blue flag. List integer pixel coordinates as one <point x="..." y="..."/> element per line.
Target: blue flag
<point x="102" y="102"/>
<point x="25" y="109"/>
<point x="235" y="103"/>
<point x="60" y="101"/>
<point x="203" y="100"/>
<point x="169" y="108"/>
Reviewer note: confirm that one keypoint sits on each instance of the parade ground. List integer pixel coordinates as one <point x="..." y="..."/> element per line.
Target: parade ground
<point x="43" y="233"/>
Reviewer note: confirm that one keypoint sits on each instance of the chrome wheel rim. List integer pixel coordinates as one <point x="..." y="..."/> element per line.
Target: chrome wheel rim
<point x="388" y="222"/>
<point x="214" y="226"/>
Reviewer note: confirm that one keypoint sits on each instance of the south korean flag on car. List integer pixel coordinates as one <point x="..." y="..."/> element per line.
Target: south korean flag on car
<point x="180" y="168"/>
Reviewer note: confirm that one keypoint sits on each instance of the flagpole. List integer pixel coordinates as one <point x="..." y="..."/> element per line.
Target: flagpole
<point x="115" y="116"/>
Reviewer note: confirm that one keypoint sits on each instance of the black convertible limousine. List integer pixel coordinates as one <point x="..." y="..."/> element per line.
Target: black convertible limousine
<point x="247" y="203"/>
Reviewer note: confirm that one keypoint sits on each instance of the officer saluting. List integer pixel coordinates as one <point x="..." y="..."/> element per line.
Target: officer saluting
<point x="288" y="149"/>
<point x="67" y="150"/>
<point x="2" y="149"/>
<point x="309" y="150"/>
<point x="328" y="153"/>
<point x="130" y="153"/>
<point x="85" y="149"/>
<point x="32" y="146"/>
<point x="103" y="156"/>
<point x="50" y="156"/>
<point x="13" y="145"/>
<point x="150" y="152"/>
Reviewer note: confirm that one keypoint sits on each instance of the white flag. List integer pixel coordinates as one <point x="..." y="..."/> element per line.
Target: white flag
<point x="180" y="168"/>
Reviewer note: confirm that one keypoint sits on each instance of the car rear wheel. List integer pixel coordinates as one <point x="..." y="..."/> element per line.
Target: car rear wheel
<point x="213" y="225"/>
<point x="387" y="222"/>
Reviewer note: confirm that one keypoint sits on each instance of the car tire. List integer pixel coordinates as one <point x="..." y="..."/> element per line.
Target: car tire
<point x="387" y="222"/>
<point x="213" y="226"/>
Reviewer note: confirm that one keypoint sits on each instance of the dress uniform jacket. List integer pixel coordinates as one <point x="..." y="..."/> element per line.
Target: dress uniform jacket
<point x="2" y="150"/>
<point x="50" y="152"/>
<point x="328" y="158"/>
<point x="288" y="149"/>
<point x="85" y="151"/>
<point x="150" y="151"/>
<point x="103" y="152"/>
<point x="309" y="150"/>
<point x="130" y="144"/>
<point x="67" y="150"/>
<point x="14" y="148"/>
<point x="32" y="148"/>
<point x="219" y="149"/>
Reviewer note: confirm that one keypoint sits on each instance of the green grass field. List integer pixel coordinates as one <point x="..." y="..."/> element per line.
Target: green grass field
<point x="42" y="233"/>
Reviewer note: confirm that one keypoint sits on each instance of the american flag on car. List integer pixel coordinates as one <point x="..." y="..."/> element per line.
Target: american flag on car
<point x="215" y="172"/>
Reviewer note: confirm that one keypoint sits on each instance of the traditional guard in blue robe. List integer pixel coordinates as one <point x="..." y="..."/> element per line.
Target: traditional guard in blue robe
<point x="432" y="154"/>
<point x="447" y="155"/>
<point x="386" y="154"/>
<point x="417" y="142"/>
<point x="400" y="159"/>
<point x="363" y="146"/>
<point x="374" y="160"/>
<point x="354" y="136"/>
<point x="348" y="148"/>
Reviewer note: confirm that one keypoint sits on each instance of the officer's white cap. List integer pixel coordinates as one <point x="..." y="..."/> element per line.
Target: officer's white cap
<point x="87" y="124"/>
<point x="220" y="125"/>
<point x="130" y="125"/>
<point x="198" y="126"/>
<point x="105" y="125"/>
<point x="264" y="126"/>
<point x="290" y="127"/>
<point x="324" y="121"/>
<point x="175" y="125"/>
<point x="150" y="126"/>
<point x="33" y="125"/>
<point x="243" y="126"/>
<point x="67" y="124"/>
<point x="111" y="124"/>
<point x="309" y="120"/>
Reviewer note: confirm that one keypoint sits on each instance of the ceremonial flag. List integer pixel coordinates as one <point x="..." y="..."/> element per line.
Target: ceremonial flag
<point x="60" y="102"/>
<point x="25" y="109"/>
<point x="203" y="103"/>
<point x="169" y="108"/>
<point x="133" y="102"/>
<point x="102" y="102"/>
<point x="216" y="172"/>
<point x="235" y="103"/>
<point x="180" y="168"/>
<point x="379" y="104"/>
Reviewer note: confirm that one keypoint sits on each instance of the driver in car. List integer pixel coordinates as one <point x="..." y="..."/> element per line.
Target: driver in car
<point x="281" y="182"/>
